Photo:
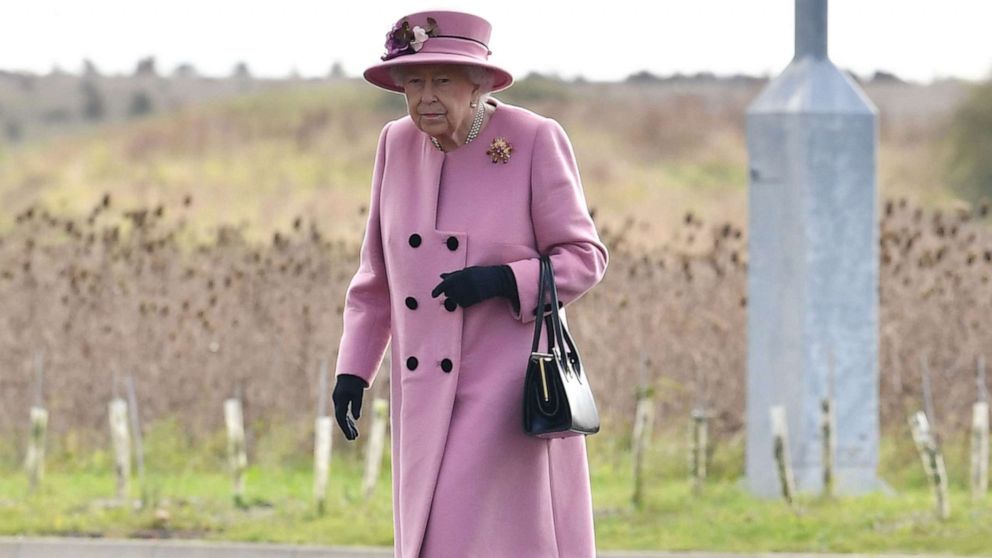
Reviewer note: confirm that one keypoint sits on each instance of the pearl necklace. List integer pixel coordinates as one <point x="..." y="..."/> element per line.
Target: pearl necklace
<point x="480" y="113"/>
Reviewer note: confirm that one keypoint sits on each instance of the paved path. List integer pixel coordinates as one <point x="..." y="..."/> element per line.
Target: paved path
<point x="17" y="547"/>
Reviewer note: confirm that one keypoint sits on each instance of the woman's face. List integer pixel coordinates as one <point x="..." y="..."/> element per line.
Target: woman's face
<point x="438" y="97"/>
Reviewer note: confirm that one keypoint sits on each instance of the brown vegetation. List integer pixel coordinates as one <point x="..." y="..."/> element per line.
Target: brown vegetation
<point x="120" y="291"/>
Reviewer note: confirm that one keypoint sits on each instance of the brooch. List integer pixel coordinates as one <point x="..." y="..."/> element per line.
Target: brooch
<point x="499" y="150"/>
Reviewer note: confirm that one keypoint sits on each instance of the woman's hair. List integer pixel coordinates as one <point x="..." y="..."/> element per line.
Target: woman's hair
<point x="476" y="74"/>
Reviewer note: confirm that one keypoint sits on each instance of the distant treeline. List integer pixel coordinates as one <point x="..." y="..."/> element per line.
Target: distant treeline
<point x="37" y="105"/>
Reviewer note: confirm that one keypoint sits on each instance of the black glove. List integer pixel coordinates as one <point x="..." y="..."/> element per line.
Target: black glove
<point x="348" y="389"/>
<point x="477" y="283"/>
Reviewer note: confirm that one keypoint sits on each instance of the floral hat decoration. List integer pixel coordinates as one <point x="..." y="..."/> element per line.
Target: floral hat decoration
<point x="437" y="37"/>
<point x="404" y="40"/>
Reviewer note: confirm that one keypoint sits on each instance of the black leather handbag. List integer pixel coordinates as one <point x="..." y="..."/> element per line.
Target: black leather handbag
<point x="558" y="400"/>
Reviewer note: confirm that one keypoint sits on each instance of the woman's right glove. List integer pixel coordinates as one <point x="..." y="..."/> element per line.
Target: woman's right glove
<point x="348" y="389"/>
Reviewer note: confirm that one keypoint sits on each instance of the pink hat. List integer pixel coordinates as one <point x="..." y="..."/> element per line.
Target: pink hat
<point x="437" y="37"/>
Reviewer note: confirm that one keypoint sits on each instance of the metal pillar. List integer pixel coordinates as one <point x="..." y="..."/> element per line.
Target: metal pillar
<point x="813" y="267"/>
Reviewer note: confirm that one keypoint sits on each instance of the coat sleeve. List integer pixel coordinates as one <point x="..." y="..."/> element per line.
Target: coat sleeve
<point x="367" y="319"/>
<point x="563" y="228"/>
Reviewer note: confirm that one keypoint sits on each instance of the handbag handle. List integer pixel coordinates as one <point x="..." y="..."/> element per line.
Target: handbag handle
<point x="540" y="303"/>
<point x="554" y="328"/>
<point x="556" y="314"/>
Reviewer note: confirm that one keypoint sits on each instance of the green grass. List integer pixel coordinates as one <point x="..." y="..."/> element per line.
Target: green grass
<point x="189" y="495"/>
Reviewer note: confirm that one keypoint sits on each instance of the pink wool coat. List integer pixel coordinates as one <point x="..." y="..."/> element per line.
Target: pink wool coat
<point x="467" y="480"/>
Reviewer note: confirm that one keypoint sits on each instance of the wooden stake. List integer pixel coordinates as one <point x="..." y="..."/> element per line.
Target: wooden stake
<point x="829" y="444"/>
<point x="322" y="441"/>
<point x="828" y="437"/>
<point x="377" y="442"/>
<point x="933" y="461"/>
<point x="139" y="447"/>
<point x="780" y="448"/>
<point x="640" y="438"/>
<point x="321" y="461"/>
<point x="122" y="446"/>
<point x="236" y="455"/>
<point x="34" y="463"/>
<point x="700" y="443"/>
<point x="979" y="450"/>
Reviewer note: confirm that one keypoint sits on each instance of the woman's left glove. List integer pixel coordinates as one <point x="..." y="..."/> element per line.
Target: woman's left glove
<point x="477" y="283"/>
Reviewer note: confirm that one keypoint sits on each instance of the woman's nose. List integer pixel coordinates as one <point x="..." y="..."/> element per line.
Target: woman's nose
<point x="428" y="90"/>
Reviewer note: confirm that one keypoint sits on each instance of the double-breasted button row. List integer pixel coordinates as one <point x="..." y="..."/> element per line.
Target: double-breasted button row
<point x="449" y="304"/>
<point x="416" y="240"/>
<point x="446" y="364"/>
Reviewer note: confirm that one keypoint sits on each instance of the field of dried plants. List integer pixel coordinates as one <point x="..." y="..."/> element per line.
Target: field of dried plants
<point x="116" y="293"/>
<point x="206" y="254"/>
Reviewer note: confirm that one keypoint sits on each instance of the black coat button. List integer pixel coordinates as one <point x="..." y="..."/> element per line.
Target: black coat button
<point x="450" y="304"/>
<point x="411" y="303"/>
<point x="446" y="365"/>
<point x="415" y="240"/>
<point x="452" y="243"/>
<point x="411" y="363"/>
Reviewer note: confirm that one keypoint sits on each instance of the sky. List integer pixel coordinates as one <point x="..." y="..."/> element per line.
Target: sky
<point x="918" y="40"/>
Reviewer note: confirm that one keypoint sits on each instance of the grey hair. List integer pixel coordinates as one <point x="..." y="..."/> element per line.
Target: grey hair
<point x="478" y="75"/>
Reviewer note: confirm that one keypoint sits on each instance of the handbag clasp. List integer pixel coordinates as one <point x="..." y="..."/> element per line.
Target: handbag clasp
<point x="541" y="357"/>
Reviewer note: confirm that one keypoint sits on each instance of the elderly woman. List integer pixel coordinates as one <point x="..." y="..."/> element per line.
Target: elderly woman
<point x="467" y="193"/>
